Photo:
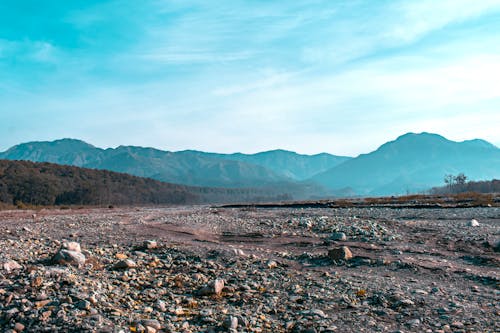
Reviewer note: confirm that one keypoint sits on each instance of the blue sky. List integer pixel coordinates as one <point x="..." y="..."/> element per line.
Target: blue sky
<point x="309" y="76"/>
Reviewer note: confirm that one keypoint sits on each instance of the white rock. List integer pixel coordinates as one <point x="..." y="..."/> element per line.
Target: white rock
<point x="213" y="288"/>
<point x="473" y="223"/>
<point x="67" y="257"/>
<point x="125" y="264"/>
<point x="71" y="246"/>
<point x="150" y="244"/>
<point x="11" y="265"/>
<point x="239" y="252"/>
<point x="413" y="322"/>
<point x="271" y="264"/>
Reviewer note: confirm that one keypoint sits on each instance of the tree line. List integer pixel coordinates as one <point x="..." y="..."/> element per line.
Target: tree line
<point x="459" y="184"/>
<point x="47" y="184"/>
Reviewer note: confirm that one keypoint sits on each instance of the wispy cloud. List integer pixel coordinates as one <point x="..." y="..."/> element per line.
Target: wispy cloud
<point x="303" y="75"/>
<point x="27" y="50"/>
<point x="415" y="19"/>
<point x="173" y="56"/>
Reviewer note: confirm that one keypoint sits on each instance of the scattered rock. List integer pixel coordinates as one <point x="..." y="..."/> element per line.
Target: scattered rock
<point x="239" y="252"/>
<point x="413" y="322"/>
<point x="271" y="264"/>
<point x="341" y="253"/>
<point x="83" y="305"/>
<point x="150" y="244"/>
<point x="473" y="223"/>
<point x="213" y="288"/>
<point x="314" y="312"/>
<point x="230" y="323"/>
<point x="284" y="284"/>
<point x="338" y="236"/>
<point x="67" y="257"/>
<point x="151" y="323"/>
<point x="71" y="246"/>
<point x="125" y="264"/>
<point x="18" y="327"/>
<point x="11" y="265"/>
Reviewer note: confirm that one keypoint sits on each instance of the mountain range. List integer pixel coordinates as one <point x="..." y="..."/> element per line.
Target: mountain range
<point x="411" y="163"/>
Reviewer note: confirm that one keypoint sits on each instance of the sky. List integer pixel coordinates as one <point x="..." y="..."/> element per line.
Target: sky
<point x="310" y="76"/>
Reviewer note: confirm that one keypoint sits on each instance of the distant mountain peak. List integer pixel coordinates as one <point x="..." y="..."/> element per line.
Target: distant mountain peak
<point x="413" y="162"/>
<point x="421" y="135"/>
<point x="479" y="143"/>
<point x="67" y="143"/>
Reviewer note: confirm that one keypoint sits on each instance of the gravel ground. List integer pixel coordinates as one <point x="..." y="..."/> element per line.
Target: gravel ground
<point x="203" y="269"/>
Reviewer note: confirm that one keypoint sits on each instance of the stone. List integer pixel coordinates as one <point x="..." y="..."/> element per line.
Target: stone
<point x="150" y="329"/>
<point x="457" y="324"/>
<point x="242" y="321"/>
<point x="413" y="322"/>
<point x="406" y="302"/>
<point x="71" y="246"/>
<point x="68" y="257"/>
<point x="18" y="327"/>
<point x="420" y="292"/>
<point x="150" y="244"/>
<point x="83" y="305"/>
<point x="125" y="264"/>
<point x="93" y="300"/>
<point x="496" y="245"/>
<point x="230" y="323"/>
<point x="161" y="306"/>
<point x="271" y="264"/>
<point x="213" y="288"/>
<point x="313" y="312"/>
<point x="152" y="323"/>
<point x="338" y="236"/>
<point x="473" y="223"/>
<point x="11" y="265"/>
<point x="341" y="253"/>
<point x="306" y="223"/>
<point x="239" y="252"/>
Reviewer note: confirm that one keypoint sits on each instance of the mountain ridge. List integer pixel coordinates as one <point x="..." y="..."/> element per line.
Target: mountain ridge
<point x="188" y="167"/>
<point x="413" y="162"/>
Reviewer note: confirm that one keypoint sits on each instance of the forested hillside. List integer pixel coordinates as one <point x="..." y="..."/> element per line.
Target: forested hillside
<point x="23" y="182"/>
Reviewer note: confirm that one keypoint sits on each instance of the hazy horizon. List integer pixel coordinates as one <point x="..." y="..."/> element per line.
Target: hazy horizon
<point x="335" y="77"/>
<point x="239" y="152"/>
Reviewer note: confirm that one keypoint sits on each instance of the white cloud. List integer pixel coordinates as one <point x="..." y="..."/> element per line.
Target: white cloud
<point x="192" y="56"/>
<point x="37" y="51"/>
<point x="311" y="76"/>
<point x="417" y="18"/>
<point x="266" y="80"/>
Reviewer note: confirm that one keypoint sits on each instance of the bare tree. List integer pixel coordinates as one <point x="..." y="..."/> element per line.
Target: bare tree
<point x="460" y="179"/>
<point x="449" y="181"/>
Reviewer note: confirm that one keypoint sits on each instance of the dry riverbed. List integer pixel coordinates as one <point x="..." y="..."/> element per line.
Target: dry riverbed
<point x="203" y="269"/>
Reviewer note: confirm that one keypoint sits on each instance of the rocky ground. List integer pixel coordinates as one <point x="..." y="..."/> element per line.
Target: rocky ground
<point x="202" y="269"/>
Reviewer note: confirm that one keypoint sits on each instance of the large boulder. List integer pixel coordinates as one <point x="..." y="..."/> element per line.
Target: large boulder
<point x="70" y="253"/>
<point x="213" y="288"/>
<point x="67" y="257"/>
<point x="341" y="253"/>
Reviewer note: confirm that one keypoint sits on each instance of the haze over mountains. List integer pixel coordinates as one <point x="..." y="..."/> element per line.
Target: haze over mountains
<point x="411" y="163"/>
